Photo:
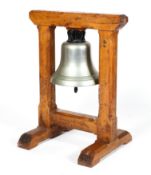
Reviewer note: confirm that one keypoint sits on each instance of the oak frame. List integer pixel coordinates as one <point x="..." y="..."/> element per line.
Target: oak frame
<point x="52" y="121"/>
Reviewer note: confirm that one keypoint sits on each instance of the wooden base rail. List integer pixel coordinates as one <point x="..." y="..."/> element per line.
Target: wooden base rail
<point x="52" y="121"/>
<point x="64" y="121"/>
<point x="33" y="137"/>
<point x="91" y="155"/>
<point x="75" y="121"/>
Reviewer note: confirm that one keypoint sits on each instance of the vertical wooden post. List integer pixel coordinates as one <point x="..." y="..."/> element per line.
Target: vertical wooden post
<point x="108" y="137"/>
<point x="106" y="123"/>
<point x="47" y="105"/>
<point x="47" y="67"/>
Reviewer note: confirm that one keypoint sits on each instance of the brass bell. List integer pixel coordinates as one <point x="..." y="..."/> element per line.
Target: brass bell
<point x="76" y="68"/>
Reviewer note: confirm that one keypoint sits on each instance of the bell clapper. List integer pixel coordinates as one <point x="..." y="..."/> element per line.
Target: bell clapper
<point x="75" y="89"/>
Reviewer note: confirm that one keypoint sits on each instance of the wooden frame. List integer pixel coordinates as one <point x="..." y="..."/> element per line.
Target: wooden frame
<point x="53" y="121"/>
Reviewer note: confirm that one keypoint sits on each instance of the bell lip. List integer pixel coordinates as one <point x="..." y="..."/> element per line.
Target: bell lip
<point x="75" y="83"/>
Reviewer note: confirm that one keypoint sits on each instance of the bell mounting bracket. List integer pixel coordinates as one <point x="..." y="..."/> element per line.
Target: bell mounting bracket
<point x="53" y="121"/>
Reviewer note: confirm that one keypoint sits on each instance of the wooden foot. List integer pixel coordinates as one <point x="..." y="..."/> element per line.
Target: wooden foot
<point x="91" y="155"/>
<point x="32" y="138"/>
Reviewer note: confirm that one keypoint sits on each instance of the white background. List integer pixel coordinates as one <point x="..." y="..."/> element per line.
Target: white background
<point x="19" y="91"/>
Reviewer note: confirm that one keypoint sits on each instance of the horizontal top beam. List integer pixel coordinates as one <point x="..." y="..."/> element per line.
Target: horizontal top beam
<point x="78" y="20"/>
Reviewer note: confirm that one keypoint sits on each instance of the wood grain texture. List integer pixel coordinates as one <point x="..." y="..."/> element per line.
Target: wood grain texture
<point x="106" y="123"/>
<point x="32" y="138"/>
<point x="73" y="120"/>
<point x="47" y="68"/>
<point x="91" y="155"/>
<point x="78" y="20"/>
